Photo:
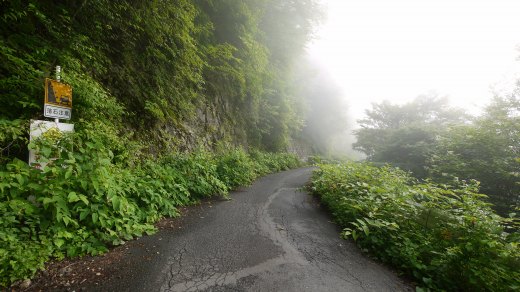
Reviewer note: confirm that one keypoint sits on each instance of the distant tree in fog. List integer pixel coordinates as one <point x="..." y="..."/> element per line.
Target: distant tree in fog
<point x="404" y="135"/>
<point x="487" y="150"/>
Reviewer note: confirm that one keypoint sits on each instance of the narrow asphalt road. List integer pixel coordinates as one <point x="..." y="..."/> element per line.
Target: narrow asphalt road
<point x="272" y="236"/>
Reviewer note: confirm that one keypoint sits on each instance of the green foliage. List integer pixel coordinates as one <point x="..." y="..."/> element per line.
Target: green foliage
<point x="487" y="151"/>
<point x="445" y="237"/>
<point x="235" y="168"/>
<point x="83" y="200"/>
<point x="404" y="135"/>
<point x="199" y="171"/>
<point x="165" y="62"/>
<point x="266" y="162"/>
<point x="432" y="140"/>
<point x="12" y="138"/>
<point x="249" y="62"/>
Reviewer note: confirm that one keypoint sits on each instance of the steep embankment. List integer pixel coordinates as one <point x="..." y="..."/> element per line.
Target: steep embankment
<point x="151" y="80"/>
<point x="165" y="74"/>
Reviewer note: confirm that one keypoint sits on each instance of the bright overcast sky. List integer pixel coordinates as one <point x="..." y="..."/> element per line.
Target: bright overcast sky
<point x="399" y="49"/>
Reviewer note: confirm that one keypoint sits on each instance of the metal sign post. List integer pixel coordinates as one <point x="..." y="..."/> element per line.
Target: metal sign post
<point x="58" y="78"/>
<point x="58" y="73"/>
<point x="57" y="105"/>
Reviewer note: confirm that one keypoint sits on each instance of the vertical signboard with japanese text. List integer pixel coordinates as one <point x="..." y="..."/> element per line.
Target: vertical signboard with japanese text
<point x="58" y="100"/>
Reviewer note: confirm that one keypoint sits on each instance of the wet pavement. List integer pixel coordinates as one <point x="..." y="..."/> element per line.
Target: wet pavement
<point x="272" y="236"/>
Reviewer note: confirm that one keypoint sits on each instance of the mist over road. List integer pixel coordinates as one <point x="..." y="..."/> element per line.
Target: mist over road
<point x="272" y="236"/>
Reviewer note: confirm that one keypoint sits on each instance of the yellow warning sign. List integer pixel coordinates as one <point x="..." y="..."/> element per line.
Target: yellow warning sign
<point x="57" y="93"/>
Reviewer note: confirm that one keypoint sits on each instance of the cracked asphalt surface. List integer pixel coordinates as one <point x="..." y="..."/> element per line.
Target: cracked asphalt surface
<point x="272" y="236"/>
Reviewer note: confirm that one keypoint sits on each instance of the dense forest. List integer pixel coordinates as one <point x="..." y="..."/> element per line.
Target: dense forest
<point x="175" y="73"/>
<point x="173" y="101"/>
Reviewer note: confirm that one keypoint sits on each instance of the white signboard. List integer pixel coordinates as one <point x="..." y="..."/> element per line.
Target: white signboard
<point x="38" y="128"/>
<point x="57" y="112"/>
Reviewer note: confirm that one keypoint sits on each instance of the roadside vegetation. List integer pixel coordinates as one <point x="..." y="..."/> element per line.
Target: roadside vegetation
<point x="84" y="201"/>
<point x="438" y="142"/>
<point x="446" y="237"/>
<point x="178" y="100"/>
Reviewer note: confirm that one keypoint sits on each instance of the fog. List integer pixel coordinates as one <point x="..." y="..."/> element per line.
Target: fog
<point x="430" y="87"/>
<point x="378" y="50"/>
<point x="328" y="126"/>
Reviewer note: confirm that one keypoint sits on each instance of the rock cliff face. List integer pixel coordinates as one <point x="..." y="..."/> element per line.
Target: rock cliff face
<point x="301" y="148"/>
<point x="216" y="123"/>
<point x="212" y="124"/>
<point x="170" y="75"/>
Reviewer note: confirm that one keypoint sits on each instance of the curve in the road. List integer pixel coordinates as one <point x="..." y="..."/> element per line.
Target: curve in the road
<point x="272" y="236"/>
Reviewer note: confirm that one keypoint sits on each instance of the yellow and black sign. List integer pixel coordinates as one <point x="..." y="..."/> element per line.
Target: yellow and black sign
<point x="58" y="100"/>
<point x="57" y="93"/>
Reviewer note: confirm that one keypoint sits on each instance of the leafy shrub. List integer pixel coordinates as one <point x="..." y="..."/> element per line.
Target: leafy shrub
<point x="198" y="172"/>
<point x="445" y="237"/>
<point x="12" y="138"/>
<point x="235" y="168"/>
<point x="266" y="162"/>
<point x="83" y="200"/>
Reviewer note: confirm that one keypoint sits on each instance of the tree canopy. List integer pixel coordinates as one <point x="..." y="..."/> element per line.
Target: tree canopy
<point x="487" y="150"/>
<point x="405" y="134"/>
<point x="435" y="141"/>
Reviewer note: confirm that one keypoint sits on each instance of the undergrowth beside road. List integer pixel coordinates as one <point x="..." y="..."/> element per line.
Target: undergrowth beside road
<point x="444" y="236"/>
<point x="84" y="200"/>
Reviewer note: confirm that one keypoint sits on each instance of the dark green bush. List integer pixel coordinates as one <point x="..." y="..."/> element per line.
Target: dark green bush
<point x="445" y="237"/>
<point x="266" y="162"/>
<point x="198" y="172"/>
<point x="235" y="168"/>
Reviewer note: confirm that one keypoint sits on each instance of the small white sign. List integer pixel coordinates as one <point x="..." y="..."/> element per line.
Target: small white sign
<point x="37" y="129"/>
<point x="57" y="112"/>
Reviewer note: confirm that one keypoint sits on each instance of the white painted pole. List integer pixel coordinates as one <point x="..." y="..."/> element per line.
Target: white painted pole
<point x="58" y="73"/>
<point x="58" y="78"/>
